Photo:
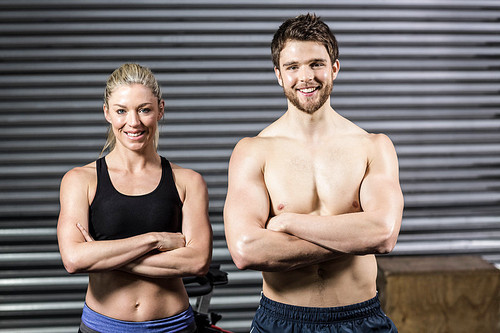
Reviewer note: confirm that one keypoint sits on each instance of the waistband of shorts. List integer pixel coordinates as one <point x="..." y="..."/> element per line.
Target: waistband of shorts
<point x="320" y="315"/>
<point x="175" y="323"/>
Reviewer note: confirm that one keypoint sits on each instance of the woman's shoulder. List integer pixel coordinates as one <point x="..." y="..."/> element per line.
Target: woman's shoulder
<point x="185" y="175"/>
<point x="83" y="175"/>
<point x="187" y="178"/>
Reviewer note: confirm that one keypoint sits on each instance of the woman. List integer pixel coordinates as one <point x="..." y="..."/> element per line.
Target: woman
<point x="134" y="221"/>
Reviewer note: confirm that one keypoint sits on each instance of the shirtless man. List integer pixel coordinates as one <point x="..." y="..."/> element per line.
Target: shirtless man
<point x="312" y="198"/>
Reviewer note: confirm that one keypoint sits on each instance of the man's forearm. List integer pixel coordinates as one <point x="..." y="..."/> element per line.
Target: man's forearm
<point x="355" y="233"/>
<point x="276" y="251"/>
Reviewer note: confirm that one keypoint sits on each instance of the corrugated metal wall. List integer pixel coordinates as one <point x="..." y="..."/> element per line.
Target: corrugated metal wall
<point x="427" y="73"/>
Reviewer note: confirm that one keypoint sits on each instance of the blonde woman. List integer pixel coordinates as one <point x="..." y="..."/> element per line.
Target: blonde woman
<point x="133" y="221"/>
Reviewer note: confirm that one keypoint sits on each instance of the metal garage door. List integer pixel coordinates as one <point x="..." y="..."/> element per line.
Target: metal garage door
<point x="427" y="73"/>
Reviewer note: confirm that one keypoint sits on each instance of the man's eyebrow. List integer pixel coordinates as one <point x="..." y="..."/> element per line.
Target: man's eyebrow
<point x="293" y="62"/>
<point x="318" y="60"/>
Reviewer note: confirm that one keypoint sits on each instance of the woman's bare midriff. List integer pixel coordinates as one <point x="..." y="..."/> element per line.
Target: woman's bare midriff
<point x="346" y="280"/>
<point x="127" y="297"/>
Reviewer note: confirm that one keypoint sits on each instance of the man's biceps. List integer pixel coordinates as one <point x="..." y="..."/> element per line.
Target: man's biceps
<point x="378" y="191"/>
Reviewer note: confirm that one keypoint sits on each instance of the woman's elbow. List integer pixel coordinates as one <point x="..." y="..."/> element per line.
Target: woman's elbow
<point x="200" y="265"/>
<point x="201" y="268"/>
<point x="71" y="265"/>
<point x="75" y="262"/>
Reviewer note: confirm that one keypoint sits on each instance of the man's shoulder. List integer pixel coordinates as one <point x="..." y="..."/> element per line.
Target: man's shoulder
<point x="380" y="140"/>
<point x="358" y="133"/>
<point x="255" y="145"/>
<point x="379" y="145"/>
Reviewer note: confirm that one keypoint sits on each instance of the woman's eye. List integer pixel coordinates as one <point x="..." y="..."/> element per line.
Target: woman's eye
<point x="145" y="110"/>
<point x="120" y="111"/>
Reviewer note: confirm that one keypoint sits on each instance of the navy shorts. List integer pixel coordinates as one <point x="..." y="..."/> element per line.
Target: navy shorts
<point x="275" y="317"/>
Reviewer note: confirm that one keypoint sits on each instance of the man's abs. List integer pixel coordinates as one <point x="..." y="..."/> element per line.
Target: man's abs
<point x="346" y="280"/>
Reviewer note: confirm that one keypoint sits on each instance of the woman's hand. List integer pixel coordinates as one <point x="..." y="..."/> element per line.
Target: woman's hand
<point x="168" y="241"/>
<point x="85" y="233"/>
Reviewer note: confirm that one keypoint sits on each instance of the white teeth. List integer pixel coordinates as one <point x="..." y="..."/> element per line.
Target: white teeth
<point x="308" y="90"/>
<point x="134" y="134"/>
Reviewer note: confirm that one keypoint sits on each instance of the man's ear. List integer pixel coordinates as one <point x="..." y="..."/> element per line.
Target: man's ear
<point x="335" y="68"/>
<point x="278" y="76"/>
<point x="106" y="113"/>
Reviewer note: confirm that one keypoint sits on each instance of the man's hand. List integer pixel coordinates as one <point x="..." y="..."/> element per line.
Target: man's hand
<point x="278" y="222"/>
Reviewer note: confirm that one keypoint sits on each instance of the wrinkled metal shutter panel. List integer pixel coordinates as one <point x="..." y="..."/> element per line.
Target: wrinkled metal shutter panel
<point x="426" y="73"/>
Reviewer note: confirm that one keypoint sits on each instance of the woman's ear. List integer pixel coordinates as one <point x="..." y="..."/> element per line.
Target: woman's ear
<point x="161" y="106"/>
<point x="106" y="113"/>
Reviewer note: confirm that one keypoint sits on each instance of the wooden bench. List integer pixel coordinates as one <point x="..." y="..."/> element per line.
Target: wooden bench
<point x="453" y="293"/>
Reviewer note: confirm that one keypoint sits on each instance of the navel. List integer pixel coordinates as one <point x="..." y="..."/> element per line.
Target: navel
<point x="321" y="273"/>
<point x="137" y="304"/>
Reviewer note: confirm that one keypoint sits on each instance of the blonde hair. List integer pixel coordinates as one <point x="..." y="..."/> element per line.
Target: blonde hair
<point x="128" y="74"/>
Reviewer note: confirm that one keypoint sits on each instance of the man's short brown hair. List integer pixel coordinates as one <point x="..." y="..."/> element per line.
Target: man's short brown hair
<point x="308" y="27"/>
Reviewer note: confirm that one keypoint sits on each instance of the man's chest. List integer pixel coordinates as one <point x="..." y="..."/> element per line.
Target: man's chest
<point x="323" y="181"/>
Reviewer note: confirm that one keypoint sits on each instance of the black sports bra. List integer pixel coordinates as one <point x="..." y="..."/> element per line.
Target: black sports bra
<point x="113" y="215"/>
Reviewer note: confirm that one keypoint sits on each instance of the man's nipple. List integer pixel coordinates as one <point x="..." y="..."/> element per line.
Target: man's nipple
<point x="281" y="206"/>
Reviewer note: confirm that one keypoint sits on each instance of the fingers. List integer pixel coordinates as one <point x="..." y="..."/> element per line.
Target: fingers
<point x="171" y="241"/>
<point x="84" y="232"/>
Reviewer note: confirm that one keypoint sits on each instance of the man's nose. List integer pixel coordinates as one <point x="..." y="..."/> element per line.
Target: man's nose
<point x="306" y="73"/>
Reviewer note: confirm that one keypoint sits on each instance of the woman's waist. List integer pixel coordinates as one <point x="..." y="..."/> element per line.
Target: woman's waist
<point x="138" y="299"/>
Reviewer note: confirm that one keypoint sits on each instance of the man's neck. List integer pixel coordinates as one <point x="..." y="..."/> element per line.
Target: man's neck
<point x="312" y="127"/>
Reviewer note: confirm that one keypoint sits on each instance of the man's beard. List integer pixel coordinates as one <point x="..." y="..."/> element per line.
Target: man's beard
<point x="311" y="107"/>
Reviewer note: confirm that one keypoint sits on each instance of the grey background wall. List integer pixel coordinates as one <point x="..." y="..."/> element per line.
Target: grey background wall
<point x="427" y="73"/>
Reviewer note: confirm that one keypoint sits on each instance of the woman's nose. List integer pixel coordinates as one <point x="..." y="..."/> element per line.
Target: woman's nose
<point x="133" y="119"/>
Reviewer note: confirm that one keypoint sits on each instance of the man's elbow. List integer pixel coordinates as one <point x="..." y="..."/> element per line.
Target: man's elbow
<point x="243" y="255"/>
<point x="388" y="239"/>
<point x="386" y="246"/>
<point x="240" y="259"/>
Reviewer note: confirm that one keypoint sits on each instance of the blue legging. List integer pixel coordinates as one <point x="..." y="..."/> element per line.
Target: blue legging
<point x="95" y="322"/>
